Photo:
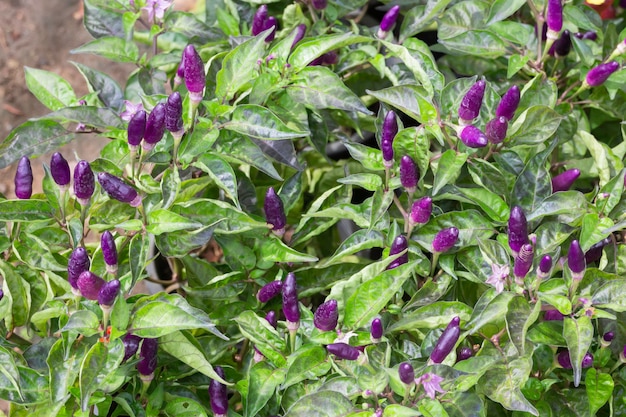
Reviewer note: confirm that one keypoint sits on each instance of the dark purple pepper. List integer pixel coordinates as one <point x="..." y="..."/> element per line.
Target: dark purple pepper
<point x="473" y="137"/>
<point x="155" y="127"/>
<point x="77" y="264"/>
<point x="330" y="58"/>
<point x="446" y="341"/>
<point x="599" y="74"/>
<point x="591" y="35"/>
<point x="271" y="318"/>
<point x="326" y="316"/>
<point x="271" y="22"/>
<point x="218" y="394"/>
<point x="388" y="20"/>
<point x="390" y="127"/>
<point x="564" y="360"/>
<point x="291" y="309"/>
<point x="116" y="188"/>
<point x="518" y="229"/>
<point x="195" y="78"/>
<point x="608" y="336"/>
<point x="421" y="210"/>
<point x="595" y="251"/>
<point x="108" y="293"/>
<point x="472" y="101"/>
<point x="274" y="210"/>
<point x="376" y="330"/>
<point x="495" y="130"/>
<point x="90" y="285"/>
<point x="319" y="4"/>
<point x="1" y="295"/>
<point x="464" y="353"/>
<point x="563" y="45"/>
<point x="587" y="360"/>
<point x="386" y="147"/>
<point x="554" y="17"/>
<point x="60" y="170"/>
<point x="398" y="245"/>
<point x="408" y="173"/>
<point x="300" y="31"/>
<point x="258" y="22"/>
<point x="508" y="103"/>
<point x="136" y="128"/>
<point x="84" y="182"/>
<point x="148" y="357"/>
<point x="445" y="239"/>
<point x="109" y="251"/>
<point x="553" y="315"/>
<point x="576" y="260"/>
<point x="24" y="179"/>
<point x="545" y="265"/>
<point x="406" y="373"/>
<point x="343" y="351"/>
<point x="131" y="344"/>
<point x="269" y="291"/>
<point x="523" y="261"/>
<point x="180" y="72"/>
<point x="174" y="113"/>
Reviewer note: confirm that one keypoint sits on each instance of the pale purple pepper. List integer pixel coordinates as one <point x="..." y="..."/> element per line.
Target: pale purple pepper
<point x="398" y="245"/>
<point x="554" y="17"/>
<point x="195" y="78"/>
<point x="421" y="210"/>
<point x="552" y="315"/>
<point x="319" y="4"/>
<point x="155" y="127"/>
<point x="136" y="128"/>
<point x="599" y="74"/>
<point x="376" y="330"/>
<point x="545" y="265"/>
<point x="464" y="353"/>
<point x="446" y="341"/>
<point x="472" y="101"/>
<point x="269" y="291"/>
<point x="576" y="260"/>
<point x="390" y="127"/>
<point x="595" y="251"/>
<point x="523" y="261"/>
<point x="271" y="22"/>
<point x="565" y="180"/>
<point x="274" y="211"/>
<point x="386" y="147"/>
<point x="408" y="173"/>
<point x="343" y="351"/>
<point x="24" y="179"/>
<point x="518" y="229"/>
<point x="258" y="22"/>
<point x="271" y="318"/>
<point x="77" y="264"/>
<point x="508" y="103"/>
<point x="174" y="113"/>
<point x="218" y="393"/>
<point x="179" y="78"/>
<point x="148" y="357"/>
<point x="60" y="170"/>
<point x="90" y="285"/>
<point x="406" y="373"/>
<point x="291" y="309"/>
<point x="495" y="130"/>
<point x="131" y="345"/>
<point x="388" y="20"/>
<point x="445" y="239"/>
<point x="108" y="293"/>
<point x="326" y="316"/>
<point x="473" y="137"/>
<point x="116" y="188"/>
<point x="109" y="251"/>
<point x="84" y="182"/>
<point x="300" y="31"/>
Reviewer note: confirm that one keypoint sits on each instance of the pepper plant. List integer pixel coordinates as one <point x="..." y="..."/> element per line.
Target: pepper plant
<point x="354" y="209"/>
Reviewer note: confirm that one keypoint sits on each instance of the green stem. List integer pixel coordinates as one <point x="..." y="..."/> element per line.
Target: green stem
<point x="434" y="264"/>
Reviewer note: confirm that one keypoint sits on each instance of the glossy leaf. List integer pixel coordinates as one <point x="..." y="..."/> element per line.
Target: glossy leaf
<point x="262" y="382"/>
<point x="111" y="47"/>
<point x="308" y="362"/>
<point x="49" y="88"/>
<point x="325" y="404"/>
<point x="432" y="316"/>
<point x="611" y="295"/>
<point x="25" y="210"/>
<point x="263" y="335"/>
<point x="274" y="250"/>
<point x="184" y="407"/>
<point x="221" y="172"/>
<point x="490" y="308"/>
<point x="471" y="224"/>
<point x="261" y="123"/>
<point x="578" y="334"/>
<point x="502" y="384"/>
<point x="533" y="184"/>
<point x="419" y="17"/>
<point x="358" y="241"/>
<point x="238" y="67"/>
<point x="307" y="50"/>
<point x="519" y="317"/>
<point x="599" y="387"/>
<point x="108" y="90"/>
<point x="448" y="169"/>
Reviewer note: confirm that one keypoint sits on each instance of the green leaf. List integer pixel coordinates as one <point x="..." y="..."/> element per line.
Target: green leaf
<point x="578" y="334"/>
<point x="430" y="292"/>
<point x="242" y="149"/>
<point x="139" y="250"/>
<point x="533" y="185"/>
<point x="325" y="404"/>
<point x="501" y="9"/>
<point x="448" y="169"/>
<point x="516" y="63"/>
<point x="611" y="295"/>
<point x="432" y="408"/>
<point x="160" y="314"/>
<point x="63" y="366"/>
<point x="263" y="335"/>
<point x="414" y="65"/>
<point x="274" y="250"/>
<point x="17" y="291"/>
<point x="462" y="17"/>
<point x="534" y="126"/>
<point x="593" y="230"/>
<point x="599" y="387"/>
<point x="502" y="384"/>
<point x="369" y="157"/>
<point x="370" y="182"/>
<point x="613" y="191"/>
<point x="262" y="382"/>
<point x="402" y="97"/>
<point x="419" y="17"/>
<point x="492" y="204"/>
<point x="309" y="49"/>
<point x="90" y="116"/>
<point x="396" y="410"/>
<point x="261" y="123"/>
<point x="481" y="43"/>
<point x="432" y="316"/>
<point x="307" y="363"/>
<point x="471" y="224"/>
<point x="464" y="404"/>
<point x="184" y="407"/>
<point x="108" y="90"/>
<point x="519" y="317"/>
<point x="358" y="241"/>
<point x="50" y="89"/>
<point x="572" y="203"/>
<point x="102" y="18"/>
<point x="101" y="361"/>
<point x="111" y="47"/>
<point x="164" y="221"/>
<point x="84" y="321"/>
<point x="221" y="172"/>
<point x="320" y="88"/>
<point x="600" y="154"/>
<point x="25" y="210"/>
<point x="8" y="369"/>
<point x="490" y="308"/>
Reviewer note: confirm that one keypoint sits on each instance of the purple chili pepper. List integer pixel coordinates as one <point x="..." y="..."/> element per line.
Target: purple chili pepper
<point x="218" y="394"/>
<point x="388" y="20"/>
<point x="445" y="239"/>
<point x="116" y="188"/>
<point x="179" y="78"/>
<point x="398" y="245"/>
<point x="421" y="211"/>
<point x="376" y="330"/>
<point x="552" y="315"/>
<point x="564" y="360"/>
<point x="258" y="22"/>
<point x="390" y="127"/>
<point x="523" y="261"/>
<point x="60" y="170"/>
<point x="109" y="251"/>
<point x="518" y="229"/>
<point x="545" y="265"/>
<point x="174" y="114"/>
<point x="576" y="260"/>
<point x="131" y="345"/>
<point x="495" y="130"/>
<point x="607" y="338"/>
<point x="464" y="353"/>
<point x="595" y="251"/>
<point x="343" y="351"/>
<point x="473" y="137"/>
<point x="77" y="264"/>
<point x="269" y="291"/>
<point x="554" y="18"/>
<point x="563" y="45"/>
<point x="155" y="127"/>
<point x="406" y="373"/>
<point x="508" y="103"/>
<point x="108" y="293"/>
<point x="1" y="295"/>
<point x="319" y="4"/>
<point x="136" y="129"/>
<point x="148" y="358"/>
<point x="274" y="211"/>
<point x="24" y="179"/>
<point x="408" y="173"/>
<point x="446" y="341"/>
<point x="591" y="35"/>
<point x="271" y="22"/>
<point x="271" y="318"/>
<point x="300" y="31"/>
<point x="600" y="73"/>
<point x="90" y="285"/>
<point x="386" y="146"/>
<point x="326" y="316"/>
<point x="471" y="103"/>
<point x="195" y="78"/>
<point x="290" y="302"/>
<point x="587" y="360"/>
<point x="84" y="182"/>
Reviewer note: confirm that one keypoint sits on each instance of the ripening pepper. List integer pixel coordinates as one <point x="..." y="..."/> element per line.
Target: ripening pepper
<point x="398" y="245"/>
<point x="269" y="291"/>
<point x="595" y="251"/>
<point x="343" y="351"/>
<point x="607" y="338"/>
<point x="545" y="265"/>
<point x="299" y="31"/>
<point x="508" y="103"/>
<point x="179" y="78"/>
<point x="326" y="316"/>
<point x="218" y="393"/>
<point x="195" y="78"/>
<point x="77" y="264"/>
<point x="445" y="239"/>
<point x="554" y="18"/>
<point x="518" y="229"/>
<point x="496" y="128"/>
<point x="471" y="103"/>
<point x="274" y="211"/>
<point x="523" y="262"/>
<point x="386" y="146"/>
<point x="155" y="127"/>
<point x="576" y="260"/>
<point x="136" y="129"/>
<point x="563" y="45"/>
<point x="600" y="73"/>
<point x="291" y="309"/>
<point x="563" y="358"/>
<point x="446" y="341"/>
<point x="390" y="127"/>
<point x="131" y="345"/>
<point x="108" y="293"/>
<point x="552" y="315"/>
<point x="148" y="359"/>
<point x="60" y="170"/>
<point x="406" y="373"/>
<point x="24" y="179"/>
<point x="174" y="114"/>
<point x="473" y="137"/>
<point x="271" y="22"/>
<point x="319" y="4"/>
<point x="388" y="20"/>
<point x="258" y="21"/>
<point x="84" y="182"/>
<point x="464" y="353"/>
<point x="271" y="318"/>
<point x="1" y="295"/>
<point x="408" y="173"/>
<point x="90" y="285"/>
<point x="109" y="251"/>
<point x="376" y="330"/>
<point x="421" y="210"/>
<point x="116" y="188"/>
